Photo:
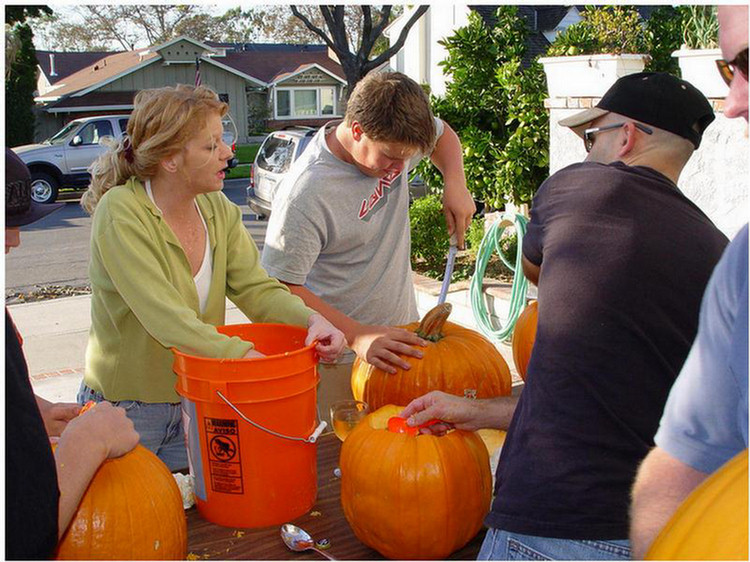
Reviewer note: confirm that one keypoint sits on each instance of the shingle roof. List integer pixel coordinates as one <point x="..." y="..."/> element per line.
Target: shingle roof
<point x="96" y="99"/>
<point x="67" y="63"/>
<point x="266" y="62"/>
<point x="103" y="69"/>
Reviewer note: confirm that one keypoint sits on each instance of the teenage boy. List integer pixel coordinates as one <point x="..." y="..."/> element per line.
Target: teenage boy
<point x="339" y="233"/>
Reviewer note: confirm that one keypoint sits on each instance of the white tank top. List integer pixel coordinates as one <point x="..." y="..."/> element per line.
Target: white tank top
<point x="202" y="279"/>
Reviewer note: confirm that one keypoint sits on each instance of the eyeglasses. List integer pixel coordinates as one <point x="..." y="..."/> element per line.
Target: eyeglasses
<point x="727" y="68"/>
<point x="588" y="134"/>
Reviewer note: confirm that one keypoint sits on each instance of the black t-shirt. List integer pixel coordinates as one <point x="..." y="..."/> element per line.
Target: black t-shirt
<point x="625" y="258"/>
<point x="31" y="493"/>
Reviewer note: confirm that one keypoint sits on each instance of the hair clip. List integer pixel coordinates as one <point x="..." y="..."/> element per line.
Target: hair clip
<point x="127" y="149"/>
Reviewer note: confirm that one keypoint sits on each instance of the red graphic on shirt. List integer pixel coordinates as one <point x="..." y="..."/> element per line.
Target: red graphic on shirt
<point x="380" y="194"/>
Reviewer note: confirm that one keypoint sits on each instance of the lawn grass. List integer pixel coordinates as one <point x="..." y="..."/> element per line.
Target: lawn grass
<point x="240" y="172"/>
<point x="246" y="153"/>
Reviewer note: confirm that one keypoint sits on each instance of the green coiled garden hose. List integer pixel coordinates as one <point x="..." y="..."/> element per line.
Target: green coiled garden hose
<point x="491" y="243"/>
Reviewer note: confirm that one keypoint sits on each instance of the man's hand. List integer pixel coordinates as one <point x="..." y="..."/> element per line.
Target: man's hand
<point x="104" y="426"/>
<point x="56" y="415"/>
<point x="331" y="340"/>
<point x="458" y="208"/>
<point x="455" y="412"/>
<point x="380" y="346"/>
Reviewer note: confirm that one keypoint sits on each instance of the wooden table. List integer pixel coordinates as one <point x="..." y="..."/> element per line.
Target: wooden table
<point x="326" y="519"/>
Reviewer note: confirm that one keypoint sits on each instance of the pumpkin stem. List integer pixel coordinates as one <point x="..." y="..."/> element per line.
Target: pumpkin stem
<point x="431" y="326"/>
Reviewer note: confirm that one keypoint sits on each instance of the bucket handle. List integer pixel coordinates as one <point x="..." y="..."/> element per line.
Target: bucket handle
<point x="312" y="439"/>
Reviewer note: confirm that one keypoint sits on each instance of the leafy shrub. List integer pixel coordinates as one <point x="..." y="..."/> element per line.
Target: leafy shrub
<point x="429" y="234"/>
<point x="663" y="37"/>
<point x="608" y="29"/>
<point x="474" y="235"/>
<point x="700" y="27"/>
<point x="496" y="106"/>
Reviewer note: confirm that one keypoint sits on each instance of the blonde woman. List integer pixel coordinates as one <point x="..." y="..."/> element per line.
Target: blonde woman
<point x="167" y="247"/>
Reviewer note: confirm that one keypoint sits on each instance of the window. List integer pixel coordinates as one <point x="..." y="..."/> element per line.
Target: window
<point x="276" y="155"/>
<point x="326" y="101"/>
<point x="283" y="105"/>
<point x="305" y="102"/>
<point x="95" y="131"/>
<point x="123" y="125"/>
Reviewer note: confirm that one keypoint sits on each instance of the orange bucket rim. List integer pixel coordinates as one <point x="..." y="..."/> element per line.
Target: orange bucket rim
<point x="303" y="350"/>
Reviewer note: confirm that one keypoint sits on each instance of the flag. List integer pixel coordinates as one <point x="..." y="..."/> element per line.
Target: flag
<point x="197" y="71"/>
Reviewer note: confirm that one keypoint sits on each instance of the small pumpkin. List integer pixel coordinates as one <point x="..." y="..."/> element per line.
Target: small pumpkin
<point x="132" y="510"/>
<point x="524" y="335"/>
<point x="413" y="496"/>
<point x="711" y="524"/>
<point x="456" y="360"/>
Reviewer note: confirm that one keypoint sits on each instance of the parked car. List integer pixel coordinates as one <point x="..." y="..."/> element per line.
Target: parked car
<point x="63" y="159"/>
<point x="275" y="156"/>
<point x="274" y="159"/>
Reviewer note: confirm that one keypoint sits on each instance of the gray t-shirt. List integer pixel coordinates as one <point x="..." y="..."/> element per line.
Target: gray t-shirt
<point x="344" y="236"/>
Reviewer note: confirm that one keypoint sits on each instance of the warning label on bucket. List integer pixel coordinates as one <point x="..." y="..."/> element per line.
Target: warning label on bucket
<point x="223" y="439"/>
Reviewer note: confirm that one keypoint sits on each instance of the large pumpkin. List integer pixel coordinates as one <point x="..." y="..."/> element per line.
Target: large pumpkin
<point x="711" y="524"/>
<point x="456" y="360"/>
<point x="413" y="496"/>
<point x="523" y="338"/>
<point x="132" y="510"/>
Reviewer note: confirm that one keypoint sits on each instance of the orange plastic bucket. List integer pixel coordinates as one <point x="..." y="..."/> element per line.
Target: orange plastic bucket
<point x="250" y="426"/>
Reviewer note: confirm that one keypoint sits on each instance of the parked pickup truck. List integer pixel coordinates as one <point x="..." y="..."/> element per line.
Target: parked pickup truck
<point x="63" y="159"/>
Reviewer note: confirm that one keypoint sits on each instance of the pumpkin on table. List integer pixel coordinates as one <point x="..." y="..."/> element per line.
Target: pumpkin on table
<point x="413" y="496"/>
<point x="132" y="510"/>
<point x="524" y="335"/>
<point x="456" y="360"/>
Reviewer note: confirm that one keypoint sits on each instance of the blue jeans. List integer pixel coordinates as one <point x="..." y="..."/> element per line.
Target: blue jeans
<point x="501" y="545"/>
<point x="158" y="424"/>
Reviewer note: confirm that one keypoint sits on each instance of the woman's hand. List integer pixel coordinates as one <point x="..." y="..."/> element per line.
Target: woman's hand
<point x="331" y="341"/>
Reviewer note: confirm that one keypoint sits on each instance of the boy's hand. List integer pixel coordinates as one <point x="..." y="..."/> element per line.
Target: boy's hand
<point x="458" y="208"/>
<point x="380" y="346"/>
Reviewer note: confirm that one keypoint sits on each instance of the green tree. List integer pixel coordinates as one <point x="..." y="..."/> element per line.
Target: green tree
<point x="663" y="37"/>
<point x="496" y="105"/>
<point x="20" y="85"/>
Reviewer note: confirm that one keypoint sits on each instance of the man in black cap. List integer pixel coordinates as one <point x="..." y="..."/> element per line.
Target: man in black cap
<point x="42" y="490"/>
<point x="621" y="258"/>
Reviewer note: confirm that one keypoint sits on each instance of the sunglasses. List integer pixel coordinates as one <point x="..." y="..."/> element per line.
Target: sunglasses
<point x="588" y="134"/>
<point x="728" y="68"/>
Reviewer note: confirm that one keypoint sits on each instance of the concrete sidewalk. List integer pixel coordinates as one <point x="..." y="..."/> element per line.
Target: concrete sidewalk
<point x="54" y="335"/>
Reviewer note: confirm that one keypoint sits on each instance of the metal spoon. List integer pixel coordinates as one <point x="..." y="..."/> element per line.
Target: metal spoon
<point x="298" y="540"/>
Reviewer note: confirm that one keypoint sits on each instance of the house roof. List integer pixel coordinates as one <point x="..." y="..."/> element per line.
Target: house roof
<point x="270" y="62"/>
<point x="117" y="100"/>
<point x="265" y="63"/>
<point x="101" y="72"/>
<point x="67" y="63"/>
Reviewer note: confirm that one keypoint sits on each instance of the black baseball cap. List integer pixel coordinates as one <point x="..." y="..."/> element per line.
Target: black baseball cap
<point x="654" y="98"/>
<point x="20" y="209"/>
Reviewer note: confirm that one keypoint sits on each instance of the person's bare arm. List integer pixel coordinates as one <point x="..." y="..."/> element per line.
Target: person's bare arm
<point x="102" y="432"/>
<point x="459" y="412"/>
<point x="458" y="204"/>
<point x="378" y="345"/>
<point x="661" y="485"/>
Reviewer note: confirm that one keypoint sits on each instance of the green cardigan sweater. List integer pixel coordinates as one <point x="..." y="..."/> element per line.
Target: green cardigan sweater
<point x="144" y="300"/>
